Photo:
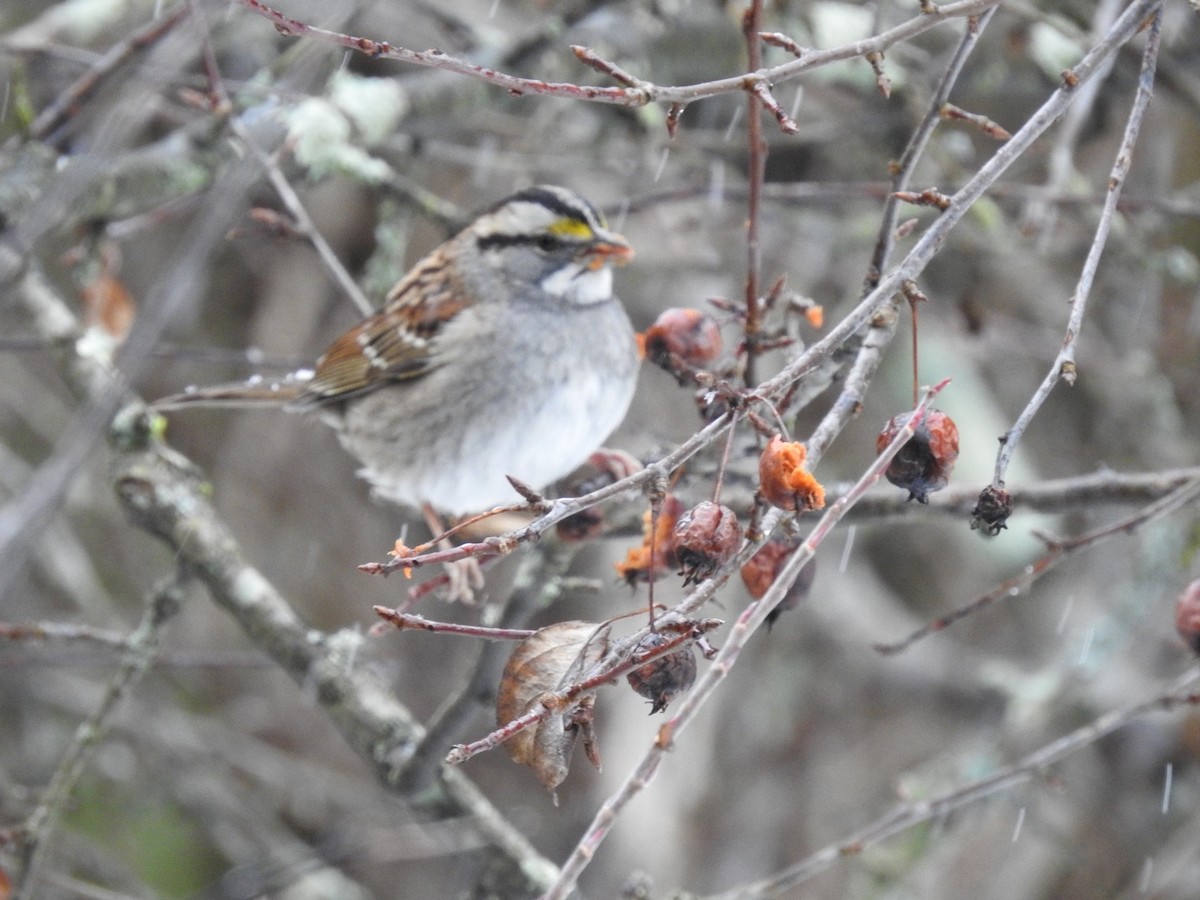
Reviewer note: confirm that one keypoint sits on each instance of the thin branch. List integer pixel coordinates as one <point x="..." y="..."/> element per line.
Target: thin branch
<point x="931" y="241"/>
<point x="1058" y="551"/>
<point x="645" y="92"/>
<point x="1029" y="767"/>
<point x="68" y="104"/>
<point x="1039" y="217"/>
<point x="303" y="222"/>
<point x="756" y="169"/>
<point x="163" y="604"/>
<point x="1064" y="363"/>
<point x="1054" y="496"/>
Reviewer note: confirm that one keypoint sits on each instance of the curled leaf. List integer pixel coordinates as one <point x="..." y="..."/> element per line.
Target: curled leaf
<point x="545" y="662"/>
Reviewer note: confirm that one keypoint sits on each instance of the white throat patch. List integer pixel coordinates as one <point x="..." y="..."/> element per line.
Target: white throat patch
<point x="578" y="284"/>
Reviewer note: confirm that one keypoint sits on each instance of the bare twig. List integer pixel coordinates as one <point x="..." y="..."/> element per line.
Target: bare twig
<point x="1064" y="366"/>
<point x="71" y="101"/>
<point x="1040" y="216"/>
<point x="1181" y="693"/>
<point x="644" y="92"/>
<point x="756" y="167"/>
<point x="954" y="113"/>
<point x="1058" y="550"/>
<point x="163" y="603"/>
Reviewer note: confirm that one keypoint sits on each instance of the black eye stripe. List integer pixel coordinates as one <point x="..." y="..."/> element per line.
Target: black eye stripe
<point x="542" y="239"/>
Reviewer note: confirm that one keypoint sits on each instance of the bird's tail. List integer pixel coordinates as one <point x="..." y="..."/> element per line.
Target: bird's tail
<point x="256" y="391"/>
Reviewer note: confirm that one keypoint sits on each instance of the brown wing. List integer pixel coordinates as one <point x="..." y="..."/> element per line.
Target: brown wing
<point x="395" y="344"/>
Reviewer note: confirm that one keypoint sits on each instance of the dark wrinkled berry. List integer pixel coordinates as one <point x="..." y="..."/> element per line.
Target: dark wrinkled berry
<point x="991" y="511"/>
<point x="662" y="680"/>
<point x="923" y="465"/>
<point x="706" y="537"/>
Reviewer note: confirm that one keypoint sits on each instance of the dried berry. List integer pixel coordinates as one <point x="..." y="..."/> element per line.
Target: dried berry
<point x="682" y="339"/>
<point x="658" y="535"/>
<point x="662" y="680"/>
<point x="783" y="480"/>
<point x="707" y="536"/>
<point x="923" y="465"/>
<point x="1187" y="616"/>
<point x="991" y="511"/>
<point x="761" y="570"/>
<point x="587" y="523"/>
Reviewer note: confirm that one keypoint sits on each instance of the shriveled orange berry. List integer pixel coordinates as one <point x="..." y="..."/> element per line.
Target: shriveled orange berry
<point x="637" y="563"/>
<point x="783" y="480"/>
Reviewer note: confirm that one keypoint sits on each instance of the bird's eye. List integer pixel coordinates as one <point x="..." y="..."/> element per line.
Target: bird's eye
<point x="546" y="242"/>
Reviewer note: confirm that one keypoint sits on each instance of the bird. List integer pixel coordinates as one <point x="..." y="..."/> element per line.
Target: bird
<point x="503" y="352"/>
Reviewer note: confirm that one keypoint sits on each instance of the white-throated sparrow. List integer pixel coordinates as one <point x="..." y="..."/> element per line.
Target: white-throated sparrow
<point x="502" y="352"/>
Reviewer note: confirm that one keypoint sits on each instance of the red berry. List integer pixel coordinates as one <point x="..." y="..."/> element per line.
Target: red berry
<point x="707" y="536"/>
<point x="686" y="336"/>
<point x="923" y="465"/>
<point x="760" y="572"/>
<point x="1187" y="616"/>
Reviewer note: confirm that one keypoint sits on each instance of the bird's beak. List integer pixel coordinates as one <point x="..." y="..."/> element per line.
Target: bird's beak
<point x="609" y="248"/>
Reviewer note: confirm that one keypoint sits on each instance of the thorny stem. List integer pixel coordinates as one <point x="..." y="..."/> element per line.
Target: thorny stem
<point x="1181" y="693"/>
<point x="750" y="620"/>
<point x="1058" y="550"/>
<point x="1064" y="366"/>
